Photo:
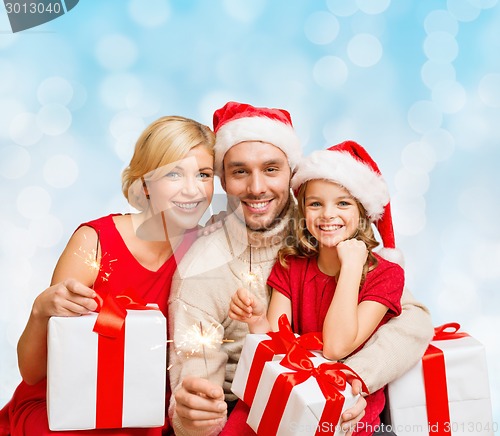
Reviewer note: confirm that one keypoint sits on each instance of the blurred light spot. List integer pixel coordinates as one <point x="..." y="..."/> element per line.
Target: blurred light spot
<point x="483" y="4"/>
<point x="53" y="119"/>
<point x="24" y="129"/>
<point x="55" y="90"/>
<point x="463" y="10"/>
<point x="321" y="27"/>
<point x="8" y="75"/>
<point x="126" y="128"/>
<point x="16" y="243"/>
<point x="449" y="96"/>
<point x="424" y="116"/>
<point x="418" y="157"/>
<point x="342" y="8"/>
<point x="441" y="47"/>
<point x="126" y="123"/>
<point x="336" y="130"/>
<point x="243" y="10"/>
<point x="373" y="7"/>
<point x="485" y="258"/>
<point x="408" y="213"/>
<point x="442" y="142"/>
<point x="33" y="202"/>
<point x="489" y="90"/>
<point x="434" y="72"/>
<point x="152" y="13"/>
<point x="60" y="171"/>
<point x="119" y="204"/>
<point x="9" y="109"/>
<point x="472" y="129"/>
<point x="17" y="269"/>
<point x="486" y="328"/>
<point x="479" y="207"/>
<point x="117" y="89"/>
<point x="144" y="105"/>
<point x="79" y="97"/>
<point x="440" y="20"/>
<point x="124" y="147"/>
<point x="411" y="182"/>
<point x="369" y="24"/>
<point x="458" y="292"/>
<point x="46" y="232"/>
<point x="211" y="100"/>
<point x="116" y="52"/>
<point x="6" y="37"/>
<point x="364" y="50"/>
<point x="15" y="161"/>
<point x="330" y="72"/>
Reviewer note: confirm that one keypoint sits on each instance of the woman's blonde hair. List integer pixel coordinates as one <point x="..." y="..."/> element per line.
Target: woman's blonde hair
<point x="304" y="244"/>
<point x="163" y="142"/>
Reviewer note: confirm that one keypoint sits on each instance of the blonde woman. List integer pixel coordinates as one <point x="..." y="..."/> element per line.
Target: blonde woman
<point x="170" y="182"/>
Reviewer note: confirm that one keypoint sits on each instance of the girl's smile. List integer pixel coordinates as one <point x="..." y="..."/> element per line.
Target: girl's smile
<point x="331" y="213"/>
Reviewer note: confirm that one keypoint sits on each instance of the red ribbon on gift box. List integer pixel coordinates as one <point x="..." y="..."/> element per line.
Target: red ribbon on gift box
<point x="280" y="342"/>
<point x="434" y="370"/>
<point x="110" y="326"/>
<point x="331" y="378"/>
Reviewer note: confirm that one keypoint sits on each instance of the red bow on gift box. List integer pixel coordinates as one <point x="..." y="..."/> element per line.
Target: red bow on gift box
<point x="434" y="370"/>
<point x="280" y="342"/>
<point x="332" y="377"/>
<point x="110" y="326"/>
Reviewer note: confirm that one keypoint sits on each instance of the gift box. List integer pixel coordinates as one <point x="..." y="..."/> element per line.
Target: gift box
<point x="447" y="393"/>
<point x="257" y="350"/>
<point x="111" y="379"/>
<point x="261" y="348"/>
<point x="302" y="396"/>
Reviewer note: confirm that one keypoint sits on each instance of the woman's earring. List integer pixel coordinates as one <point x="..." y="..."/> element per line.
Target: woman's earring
<point x="145" y="188"/>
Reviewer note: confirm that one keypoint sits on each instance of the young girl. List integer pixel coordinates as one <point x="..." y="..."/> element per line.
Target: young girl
<point x="170" y="182"/>
<point x="330" y="280"/>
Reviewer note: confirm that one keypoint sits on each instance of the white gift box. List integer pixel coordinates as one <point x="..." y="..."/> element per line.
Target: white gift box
<point x="252" y="357"/>
<point x="469" y="404"/>
<point x="72" y="371"/>
<point x="304" y="407"/>
<point x="260" y="348"/>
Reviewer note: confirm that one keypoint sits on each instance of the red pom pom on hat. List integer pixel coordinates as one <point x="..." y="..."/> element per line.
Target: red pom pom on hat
<point x="240" y="122"/>
<point x="350" y="165"/>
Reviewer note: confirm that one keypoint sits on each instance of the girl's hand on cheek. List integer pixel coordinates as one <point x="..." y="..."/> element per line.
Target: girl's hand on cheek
<point x="352" y="252"/>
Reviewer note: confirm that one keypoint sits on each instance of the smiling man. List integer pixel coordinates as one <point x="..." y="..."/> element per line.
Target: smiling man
<point x="256" y="153"/>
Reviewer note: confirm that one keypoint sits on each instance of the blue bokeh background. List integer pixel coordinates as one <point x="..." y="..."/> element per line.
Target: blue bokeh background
<point x="416" y="82"/>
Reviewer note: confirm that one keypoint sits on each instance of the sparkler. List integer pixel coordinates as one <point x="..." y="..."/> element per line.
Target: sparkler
<point x="91" y="258"/>
<point x="250" y="277"/>
<point x="203" y="347"/>
<point x="198" y="339"/>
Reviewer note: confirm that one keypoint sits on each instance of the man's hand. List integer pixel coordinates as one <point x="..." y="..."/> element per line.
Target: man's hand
<point x="214" y="223"/>
<point x="200" y="404"/>
<point x="353" y="415"/>
<point x="248" y="308"/>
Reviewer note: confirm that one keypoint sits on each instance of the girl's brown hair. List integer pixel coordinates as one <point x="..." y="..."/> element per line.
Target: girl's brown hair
<point x="306" y="245"/>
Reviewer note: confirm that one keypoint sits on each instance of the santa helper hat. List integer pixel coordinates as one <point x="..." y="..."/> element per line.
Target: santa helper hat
<point x="239" y="122"/>
<point x="350" y="165"/>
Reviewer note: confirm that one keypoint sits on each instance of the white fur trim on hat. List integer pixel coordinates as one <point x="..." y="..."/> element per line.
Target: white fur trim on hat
<point x="256" y="128"/>
<point x="367" y="186"/>
<point x="394" y="255"/>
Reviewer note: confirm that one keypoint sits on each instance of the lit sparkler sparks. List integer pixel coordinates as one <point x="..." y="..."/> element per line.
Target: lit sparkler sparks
<point x="197" y="339"/>
<point x="91" y="259"/>
<point x="250" y="278"/>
